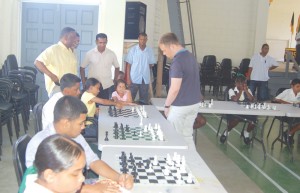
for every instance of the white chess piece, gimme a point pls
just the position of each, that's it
(132, 109)
(141, 122)
(140, 135)
(155, 161)
(166, 171)
(190, 178)
(247, 106)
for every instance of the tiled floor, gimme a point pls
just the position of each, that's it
(238, 167)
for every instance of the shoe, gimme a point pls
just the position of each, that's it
(247, 140)
(223, 138)
(287, 138)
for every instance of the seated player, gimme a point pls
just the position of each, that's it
(69, 118)
(291, 96)
(240, 93)
(59, 162)
(89, 98)
(122, 94)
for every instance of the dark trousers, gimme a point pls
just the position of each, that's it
(106, 93)
(143, 92)
(262, 89)
(298, 54)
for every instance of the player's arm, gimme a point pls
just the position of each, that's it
(173, 92)
(41, 67)
(106, 102)
(281, 101)
(106, 171)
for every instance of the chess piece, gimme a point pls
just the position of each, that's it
(155, 161)
(106, 136)
(190, 178)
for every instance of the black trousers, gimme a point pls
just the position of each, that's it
(298, 54)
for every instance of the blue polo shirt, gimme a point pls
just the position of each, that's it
(140, 61)
(185, 66)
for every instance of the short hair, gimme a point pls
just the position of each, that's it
(143, 34)
(120, 81)
(65, 31)
(240, 78)
(68, 107)
(57, 152)
(91, 82)
(77, 34)
(264, 45)
(295, 81)
(168, 39)
(68, 80)
(101, 35)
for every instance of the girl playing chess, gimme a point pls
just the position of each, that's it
(89, 98)
(122, 94)
(59, 161)
(240, 93)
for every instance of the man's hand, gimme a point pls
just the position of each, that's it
(126, 181)
(166, 111)
(55, 79)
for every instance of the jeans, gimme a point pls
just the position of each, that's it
(262, 89)
(182, 118)
(106, 93)
(143, 92)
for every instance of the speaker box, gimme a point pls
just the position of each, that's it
(135, 19)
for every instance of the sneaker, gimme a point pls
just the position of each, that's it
(247, 140)
(288, 138)
(223, 138)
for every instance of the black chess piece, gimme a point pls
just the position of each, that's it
(116, 125)
(139, 164)
(106, 136)
(122, 127)
(127, 128)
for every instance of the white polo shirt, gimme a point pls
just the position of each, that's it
(50, 130)
(231, 93)
(289, 96)
(100, 65)
(48, 109)
(260, 67)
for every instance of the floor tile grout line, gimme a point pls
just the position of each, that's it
(251, 163)
(270, 156)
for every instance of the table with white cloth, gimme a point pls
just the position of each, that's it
(234, 108)
(205, 180)
(106, 124)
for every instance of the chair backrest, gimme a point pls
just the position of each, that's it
(226, 68)
(244, 65)
(37, 113)
(19, 151)
(6, 87)
(12, 63)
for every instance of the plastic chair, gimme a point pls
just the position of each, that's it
(37, 113)
(225, 75)
(208, 73)
(19, 152)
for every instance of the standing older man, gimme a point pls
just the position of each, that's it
(182, 103)
(259, 67)
(100, 61)
(58, 60)
(140, 59)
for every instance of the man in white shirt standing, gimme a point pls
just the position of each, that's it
(100, 60)
(259, 67)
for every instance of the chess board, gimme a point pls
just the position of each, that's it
(114, 112)
(138, 167)
(121, 132)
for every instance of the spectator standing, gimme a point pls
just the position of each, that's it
(58, 60)
(139, 60)
(100, 60)
(259, 67)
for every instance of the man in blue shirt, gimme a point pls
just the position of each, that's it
(140, 59)
(182, 103)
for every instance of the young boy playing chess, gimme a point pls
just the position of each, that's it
(240, 93)
(291, 96)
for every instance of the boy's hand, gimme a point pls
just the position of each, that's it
(104, 186)
(126, 181)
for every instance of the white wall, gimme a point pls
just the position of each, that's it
(278, 28)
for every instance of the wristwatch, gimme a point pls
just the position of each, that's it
(167, 106)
